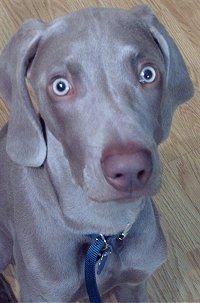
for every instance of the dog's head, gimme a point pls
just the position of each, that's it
(107, 83)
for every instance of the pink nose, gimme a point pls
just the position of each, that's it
(127, 171)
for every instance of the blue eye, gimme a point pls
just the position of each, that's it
(147, 75)
(61, 87)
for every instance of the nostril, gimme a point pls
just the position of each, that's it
(142, 176)
(118, 176)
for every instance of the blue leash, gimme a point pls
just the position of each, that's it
(99, 250)
(93, 255)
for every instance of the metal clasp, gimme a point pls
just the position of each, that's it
(123, 235)
(105, 242)
(106, 251)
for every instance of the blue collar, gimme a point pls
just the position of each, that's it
(99, 251)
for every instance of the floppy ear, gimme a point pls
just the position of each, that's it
(25, 140)
(178, 88)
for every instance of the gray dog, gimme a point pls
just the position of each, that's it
(107, 82)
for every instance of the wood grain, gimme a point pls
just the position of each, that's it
(179, 198)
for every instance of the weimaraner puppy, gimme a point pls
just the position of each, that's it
(85, 163)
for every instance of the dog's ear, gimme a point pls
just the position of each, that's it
(178, 88)
(25, 141)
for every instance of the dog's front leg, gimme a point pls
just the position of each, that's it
(128, 293)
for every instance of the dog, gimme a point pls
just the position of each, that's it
(85, 161)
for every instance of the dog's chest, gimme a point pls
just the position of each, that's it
(117, 270)
(52, 255)
(49, 252)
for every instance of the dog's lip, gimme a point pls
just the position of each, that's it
(129, 198)
(120, 200)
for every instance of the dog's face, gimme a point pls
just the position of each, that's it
(99, 85)
(107, 83)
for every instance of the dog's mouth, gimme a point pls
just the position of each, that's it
(132, 197)
(122, 174)
(99, 190)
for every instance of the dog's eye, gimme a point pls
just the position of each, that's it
(61, 87)
(147, 74)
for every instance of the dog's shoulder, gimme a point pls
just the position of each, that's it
(5, 165)
(7, 168)
(146, 236)
(3, 133)
(4, 159)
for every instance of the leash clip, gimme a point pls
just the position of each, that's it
(106, 245)
(106, 251)
(124, 234)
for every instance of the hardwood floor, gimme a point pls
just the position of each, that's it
(179, 198)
